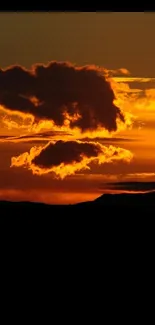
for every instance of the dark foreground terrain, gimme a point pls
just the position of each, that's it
(110, 211)
(105, 246)
(110, 229)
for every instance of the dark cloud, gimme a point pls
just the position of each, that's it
(6, 137)
(132, 186)
(22, 179)
(60, 87)
(64, 158)
(65, 152)
(37, 137)
(44, 136)
(108, 140)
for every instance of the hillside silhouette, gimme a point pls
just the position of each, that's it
(111, 224)
(104, 207)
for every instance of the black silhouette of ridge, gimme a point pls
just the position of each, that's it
(111, 223)
(105, 205)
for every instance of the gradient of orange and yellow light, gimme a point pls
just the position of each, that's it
(140, 132)
(113, 41)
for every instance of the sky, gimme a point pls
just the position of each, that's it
(77, 105)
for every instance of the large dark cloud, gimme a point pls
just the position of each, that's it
(60, 87)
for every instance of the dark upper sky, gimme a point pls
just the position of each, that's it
(113, 40)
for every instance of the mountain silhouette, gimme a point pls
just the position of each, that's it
(111, 224)
(106, 204)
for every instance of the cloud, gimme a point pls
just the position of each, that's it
(136, 97)
(119, 73)
(134, 79)
(61, 92)
(37, 137)
(139, 175)
(108, 140)
(132, 186)
(65, 158)
(5, 137)
(57, 135)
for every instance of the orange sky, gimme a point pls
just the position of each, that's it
(78, 168)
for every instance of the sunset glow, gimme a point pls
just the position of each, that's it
(72, 125)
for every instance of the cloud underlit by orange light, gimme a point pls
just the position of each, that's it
(92, 101)
(66, 158)
(63, 101)
(61, 92)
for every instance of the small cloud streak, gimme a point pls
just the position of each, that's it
(38, 137)
(66, 158)
(56, 135)
(132, 186)
(134, 79)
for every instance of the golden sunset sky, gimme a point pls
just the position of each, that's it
(77, 104)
